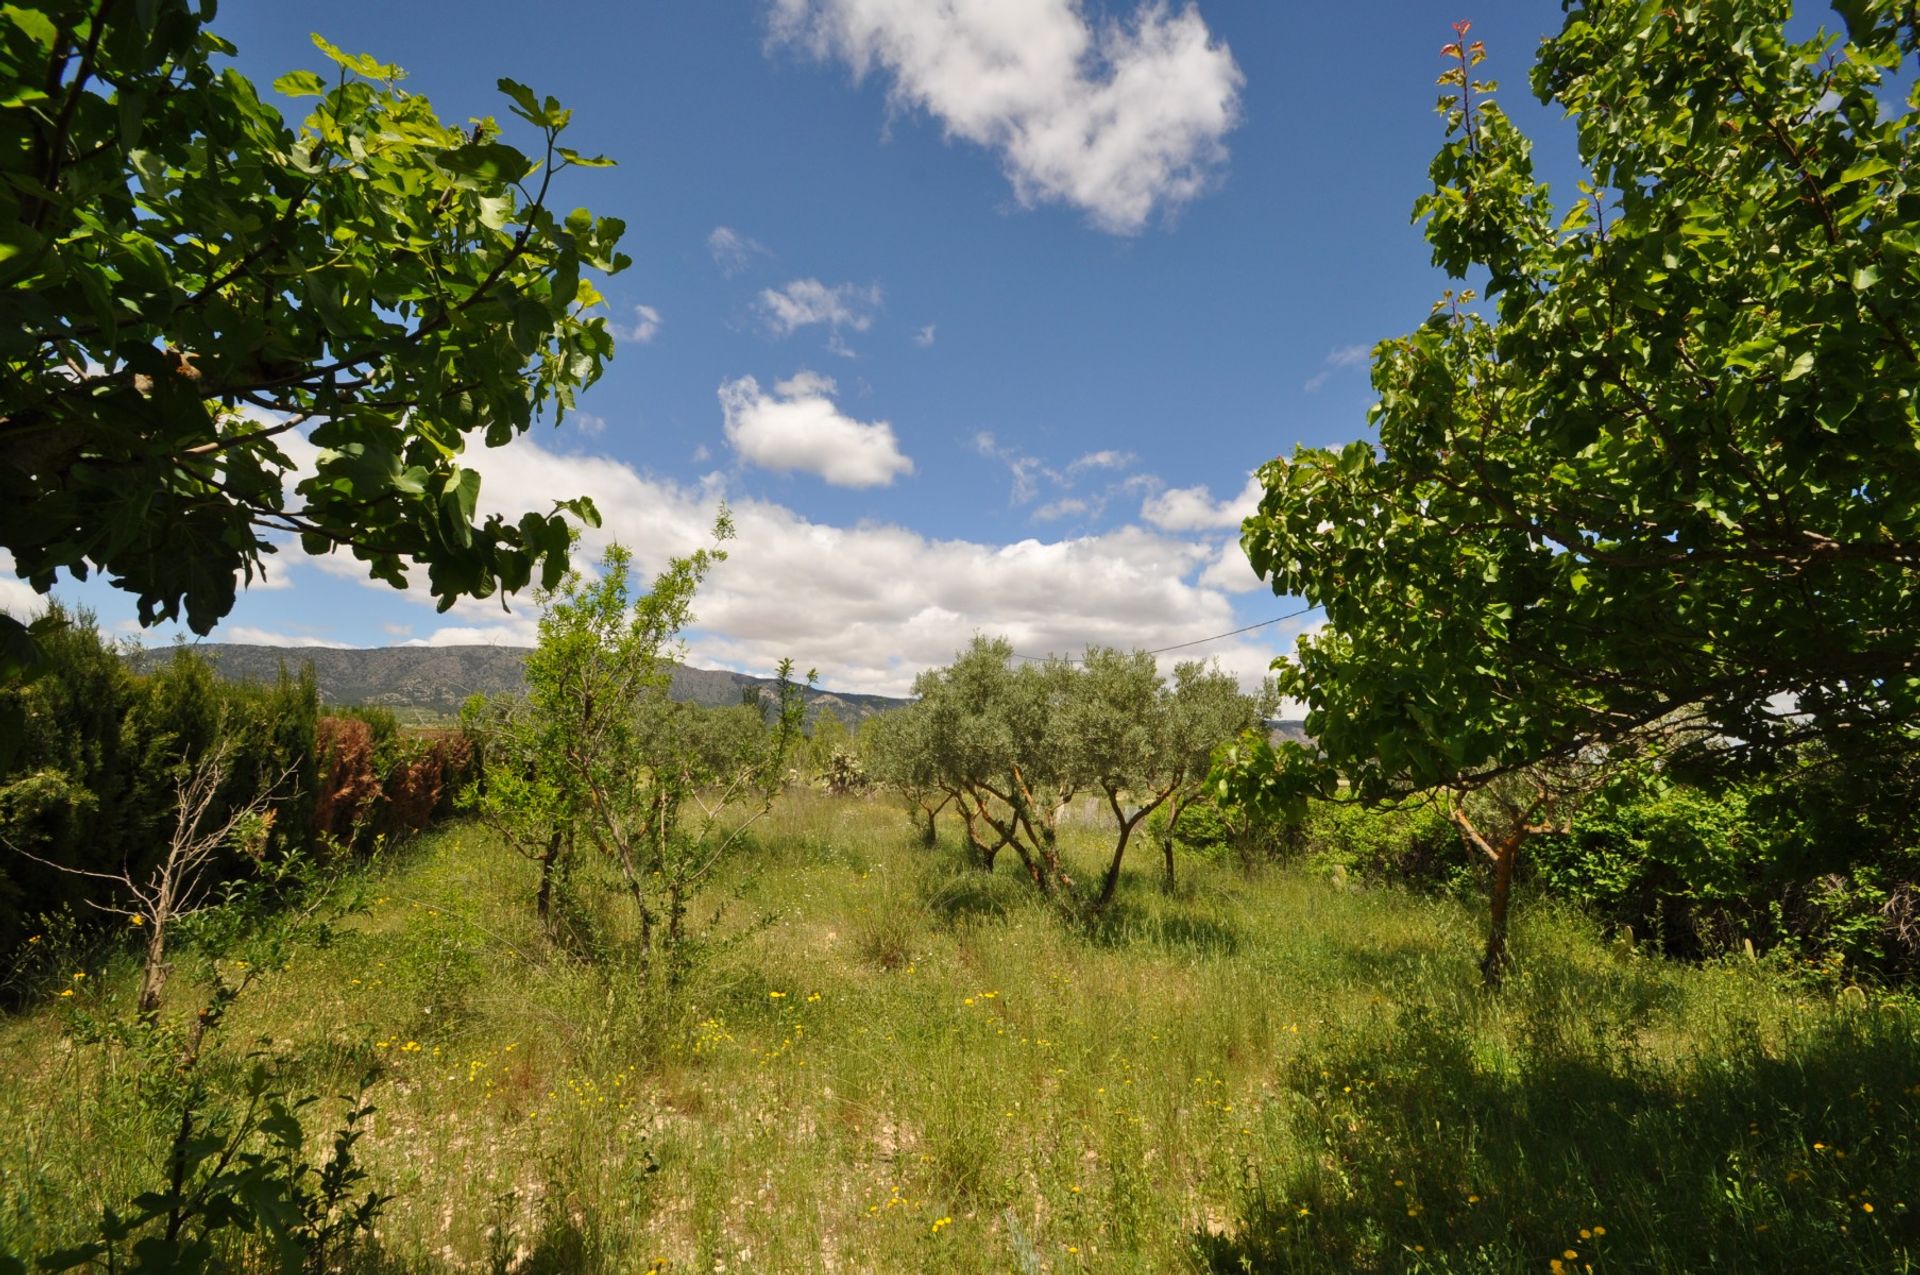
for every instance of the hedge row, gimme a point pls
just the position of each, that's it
(91, 755)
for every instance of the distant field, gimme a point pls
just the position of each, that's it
(887, 1062)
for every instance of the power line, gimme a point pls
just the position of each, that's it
(1181, 646)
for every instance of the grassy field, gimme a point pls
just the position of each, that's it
(886, 1062)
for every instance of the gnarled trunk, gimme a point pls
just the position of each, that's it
(1495, 963)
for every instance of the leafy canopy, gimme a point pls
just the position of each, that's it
(186, 281)
(1670, 464)
(1010, 744)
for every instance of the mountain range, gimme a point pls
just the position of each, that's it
(432, 682)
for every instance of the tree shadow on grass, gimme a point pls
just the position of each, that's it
(1432, 1148)
(1126, 924)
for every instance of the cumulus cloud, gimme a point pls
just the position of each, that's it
(1337, 358)
(1194, 508)
(798, 427)
(924, 337)
(869, 605)
(805, 302)
(1230, 571)
(732, 251)
(1119, 119)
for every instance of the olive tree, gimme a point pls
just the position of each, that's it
(902, 753)
(1012, 745)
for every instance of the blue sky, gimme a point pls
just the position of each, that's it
(979, 318)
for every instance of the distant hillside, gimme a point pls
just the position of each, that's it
(433, 681)
(1281, 731)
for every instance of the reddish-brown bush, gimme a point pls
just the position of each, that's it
(347, 786)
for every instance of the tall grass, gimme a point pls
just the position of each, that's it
(888, 1061)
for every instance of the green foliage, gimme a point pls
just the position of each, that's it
(1667, 467)
(1415, 844)
(1702, 872)
(88, 779)
(598, 752)
(237, 1166)
(1010, 745)
(185, 279)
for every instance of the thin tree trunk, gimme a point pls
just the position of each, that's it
(1496, 962)
(153, 976)
(1174, 809)
(543, 901)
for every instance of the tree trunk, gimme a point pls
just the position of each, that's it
(929, 836)
(543, 901)
(1495, 964)
(1174, 808)
(1112, 881)
(153, 976)
(676, 931)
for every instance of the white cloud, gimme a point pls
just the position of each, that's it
(274, 573)
(1104, 459)
(732, 251)
(521, 630)
(1231, 571)
(1027, 471)
(1030, 474)
(808, 301)
(924, 337)
(17, 598)
(798, 427)
(1117, 119)
(248, 635)
(868, 605)
(1339, 357)
(1054, 510)
(645, 326)
(1194, 508)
